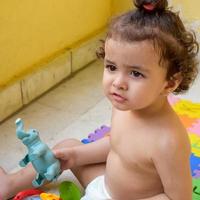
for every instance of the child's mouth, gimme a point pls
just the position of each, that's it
(118, 98)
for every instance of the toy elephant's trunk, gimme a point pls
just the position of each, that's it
(20, 129)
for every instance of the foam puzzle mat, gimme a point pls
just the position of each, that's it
(189, 113)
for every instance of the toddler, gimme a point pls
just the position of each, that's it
(148, 54)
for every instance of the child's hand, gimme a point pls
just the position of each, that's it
(66, 157)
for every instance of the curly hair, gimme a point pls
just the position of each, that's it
(152, 20)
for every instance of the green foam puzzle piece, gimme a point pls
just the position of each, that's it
(196, 189)
(69, 191)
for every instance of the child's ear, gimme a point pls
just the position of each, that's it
(172, 83)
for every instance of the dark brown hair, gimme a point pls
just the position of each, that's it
(177, 46)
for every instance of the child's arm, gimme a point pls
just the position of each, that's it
(95, 152)
(91, 153)
(172, 162)
(158, 197)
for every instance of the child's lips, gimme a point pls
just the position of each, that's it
(118, 98)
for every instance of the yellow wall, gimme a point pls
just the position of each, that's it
(189, 8)
(119, 6)
(34, 30)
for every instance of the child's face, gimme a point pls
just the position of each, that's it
(132, 77)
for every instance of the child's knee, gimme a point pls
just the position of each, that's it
(67, 143)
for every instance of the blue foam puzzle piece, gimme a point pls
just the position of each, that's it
(195, 165)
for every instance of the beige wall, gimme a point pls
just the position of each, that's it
(189, 8)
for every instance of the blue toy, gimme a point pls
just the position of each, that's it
(39, 154)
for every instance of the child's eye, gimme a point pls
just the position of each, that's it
(137, 74)
(111, 68)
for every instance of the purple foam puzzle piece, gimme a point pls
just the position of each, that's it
(98, 133)
(197, 173)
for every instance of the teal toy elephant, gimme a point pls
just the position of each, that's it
(39, 154)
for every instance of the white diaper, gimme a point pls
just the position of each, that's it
(96, 190)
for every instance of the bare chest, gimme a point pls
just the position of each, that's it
(132, 144)
(130, 160)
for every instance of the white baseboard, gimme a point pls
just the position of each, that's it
(31, 86)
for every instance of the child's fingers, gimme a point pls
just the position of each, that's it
(64, 155)
(60, 153)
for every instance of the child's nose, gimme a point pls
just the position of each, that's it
(120, 83)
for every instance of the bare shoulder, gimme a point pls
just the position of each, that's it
(171, 159)
(174, 139)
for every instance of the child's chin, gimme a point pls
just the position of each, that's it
(121, 107)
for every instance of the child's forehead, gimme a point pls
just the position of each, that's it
(144, 45)
(131, 52)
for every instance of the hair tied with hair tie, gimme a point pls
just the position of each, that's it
(149, 6)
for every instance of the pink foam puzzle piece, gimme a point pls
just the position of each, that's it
(173, 99)
(195, 128)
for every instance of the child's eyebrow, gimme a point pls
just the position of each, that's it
(108, 61)
(137, 67)
(140, 68)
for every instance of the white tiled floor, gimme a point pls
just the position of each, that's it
(73, 109)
